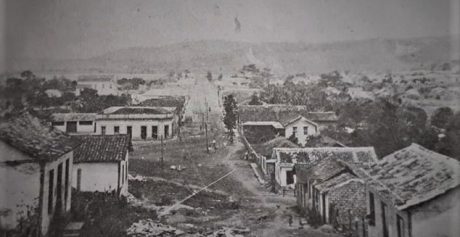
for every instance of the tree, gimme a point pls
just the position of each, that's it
(255, 100)
(209, 76)
(441, 117)
(230, 110)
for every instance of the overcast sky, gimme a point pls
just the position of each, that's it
(83, 28)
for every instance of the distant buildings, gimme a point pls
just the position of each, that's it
(101, 164)
(141, 123)
(36, 169)
(414, 192)
(75, 123)
(264, 122)
(104, 85)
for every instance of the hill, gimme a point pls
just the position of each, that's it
(228, 56)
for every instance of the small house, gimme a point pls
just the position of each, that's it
(75, 123)
(103, 84)
(35, 166)
(413, 192)
(101, 164)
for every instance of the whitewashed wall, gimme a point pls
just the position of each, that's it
(82, 129)
(136, 127)
(301, 136)
(101, 177)
(19, 185)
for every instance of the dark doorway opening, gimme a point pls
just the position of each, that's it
(154, 132)
(59, 190)
(166, 131)
(71, 127)
(144, 132)
(130, 131)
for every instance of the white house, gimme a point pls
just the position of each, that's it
(101, 164)
(75, 123)
(301, 128)
(105, 85)
(35, 167)
(142, 123)
(413, 192)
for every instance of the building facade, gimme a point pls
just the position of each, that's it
(75, 123)
(101, 164)
(104, 85)
(141, 123)
(39, 161)
(413, 192)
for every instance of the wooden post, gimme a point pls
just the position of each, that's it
(206, 132)
(162, 151)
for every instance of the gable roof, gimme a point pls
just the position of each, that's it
(35, 138)
(276, 125)
(102, 148)
(286, 123)
(413, 175)
(311, 155)
(281, 113)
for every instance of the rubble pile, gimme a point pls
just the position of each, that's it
(150, 228)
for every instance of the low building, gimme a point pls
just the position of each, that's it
(103, 84)
(35, 167)
(75, 123)
(141, 123)
(101, 164)
(286, 158)
(413, 192)
(264, 152)
(261, 123)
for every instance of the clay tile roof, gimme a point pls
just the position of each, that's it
(282, 113)
(311, 155)
(413, 175)
(338, 180)
(266, 148)
(139, 110)
(325, 169)
(35, 138)
(102, 148)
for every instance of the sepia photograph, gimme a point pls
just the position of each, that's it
(229, 118)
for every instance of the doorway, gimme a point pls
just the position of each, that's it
(71, 127)
(59, 190)
(166, 131)
(130, 131)
(144, 132)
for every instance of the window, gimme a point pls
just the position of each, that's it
(126, 171)
(371, 209)
(166, 131)
(305, 130)
(50, 191)
(154, 132)
(66, 184)
(400, 223)
(116, 129)
(294, 130)
(122, 175)
(384, 219)
(103, 130)
(57, 123)
(79, 179)
(87, 123)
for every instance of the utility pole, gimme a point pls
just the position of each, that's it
(162, 151)
(206, 132)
